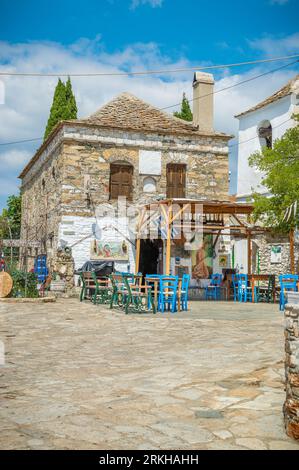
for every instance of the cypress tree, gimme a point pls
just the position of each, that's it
(185, 112)
(63, 106)
(71, 100)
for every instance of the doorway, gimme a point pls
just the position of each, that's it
(150, 251)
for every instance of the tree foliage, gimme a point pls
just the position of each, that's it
(10, 219)
(63, 107)
(185, 112)
(280, 166)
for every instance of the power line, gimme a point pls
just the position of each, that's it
(233, 86)
(147, 72)
(256, 136)
(190, 100)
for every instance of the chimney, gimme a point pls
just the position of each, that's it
(203, 98)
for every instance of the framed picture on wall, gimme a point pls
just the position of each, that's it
(223, 261)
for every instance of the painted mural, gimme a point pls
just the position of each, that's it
(202, 259)
(109, 251)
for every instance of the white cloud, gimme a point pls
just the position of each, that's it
(273, 46)
(14, 159)
(25, 112)
(152, 3)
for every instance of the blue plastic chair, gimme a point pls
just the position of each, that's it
(235, 283)
(168, 293)
(213, 290)
(288, 282)
(184, 291)
(245, 291)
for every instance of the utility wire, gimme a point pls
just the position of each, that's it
(256, 136)
(190, 100)
(233, 86)
(147, 72)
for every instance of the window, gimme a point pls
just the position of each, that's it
(43, 185)
(121, 178)
(265, 134)
(176, 180)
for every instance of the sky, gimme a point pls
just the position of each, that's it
(127, 35)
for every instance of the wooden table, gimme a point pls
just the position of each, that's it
(156, 280)
(261, 277)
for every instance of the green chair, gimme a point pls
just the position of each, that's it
(138, 298)
(87, 286)
(102, 291)
(118, 291)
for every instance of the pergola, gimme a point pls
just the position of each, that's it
(217, 217)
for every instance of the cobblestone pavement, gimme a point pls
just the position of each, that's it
(79, 376)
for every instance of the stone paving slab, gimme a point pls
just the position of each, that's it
(79, 376)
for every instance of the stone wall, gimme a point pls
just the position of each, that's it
(41, 202)
(71, 178)
(265, 243)
(291, 405)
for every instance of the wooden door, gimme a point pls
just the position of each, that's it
(121, 177)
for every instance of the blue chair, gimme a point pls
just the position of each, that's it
(184, 291)
(245, 291)
(213, 290)
(235, 283)
(168, 293)
(288, 282)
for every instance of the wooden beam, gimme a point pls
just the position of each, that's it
(137, 260)
(177, 214)
(249, 253)
(292, 255)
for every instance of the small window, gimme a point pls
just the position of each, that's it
(265, 134)
(43, 185)
(121, 180)
(176, 180)
(53, 173)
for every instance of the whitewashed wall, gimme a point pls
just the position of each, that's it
(79, 229)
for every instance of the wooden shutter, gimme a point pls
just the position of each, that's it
(121, 177)
(176, 180)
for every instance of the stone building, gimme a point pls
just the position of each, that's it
(126, 148)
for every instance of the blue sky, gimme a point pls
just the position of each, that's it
(117, 35)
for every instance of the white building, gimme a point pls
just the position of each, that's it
(259, 126)
(262, 125)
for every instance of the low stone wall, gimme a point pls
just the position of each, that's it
(291, 405)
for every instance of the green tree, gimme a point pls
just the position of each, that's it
(71, 100)
(10, 219)
(63, 107)
(280, 166)
(185, 112)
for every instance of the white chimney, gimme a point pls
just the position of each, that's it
(203, 98)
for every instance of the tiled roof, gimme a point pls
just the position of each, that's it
(126, 111)
(291, 86)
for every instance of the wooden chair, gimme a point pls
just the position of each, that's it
(87, 286)
(102, 291)
(138, 298)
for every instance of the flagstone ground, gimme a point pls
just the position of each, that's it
(79, 376)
